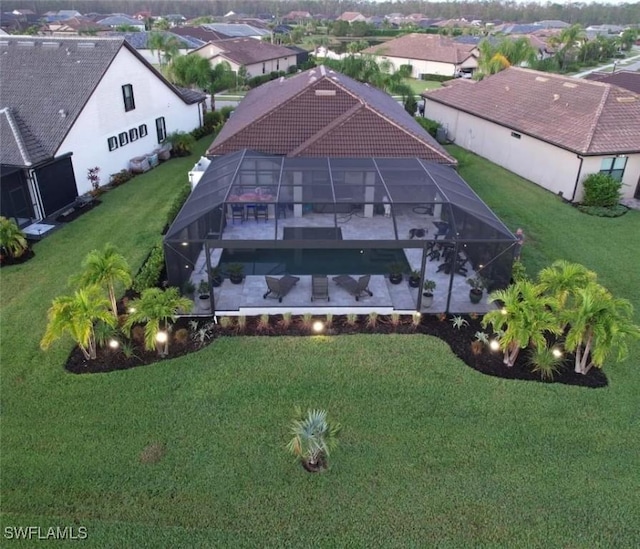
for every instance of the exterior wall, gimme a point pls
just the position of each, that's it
(212, 52)
(630, 178)
(546, 165)
(422, 66)
(104, 116)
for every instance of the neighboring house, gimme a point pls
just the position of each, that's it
(239, 30)
(297, 16)
(257, 57)
(74, 104)
(115, 21)
(553, 24)
(140, 41)
(428, 54)
(320, 112)
(73, 27)
(552, 130)
(352, 17)
(202, 33)
(628, 80)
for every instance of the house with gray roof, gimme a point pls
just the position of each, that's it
(71, 104)
(239, 30)
(120, 20)
(550, 129)
(321, 112)
(140, 41)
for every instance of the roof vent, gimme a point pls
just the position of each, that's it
(51, 45)
(325, 93)
(541, 79)
(26, 44)
(570, 85)
(62, 113)
(4, 42)
(626, 99)
(86, 45)
(556, 97)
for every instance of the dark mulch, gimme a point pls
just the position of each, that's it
(8, 260)
(77, 211)
(487, 362)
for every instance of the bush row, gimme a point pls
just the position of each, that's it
(430, 125)
(436, 77)
(178, 202)
(149, 274)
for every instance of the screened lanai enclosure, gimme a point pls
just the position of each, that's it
(325, 234)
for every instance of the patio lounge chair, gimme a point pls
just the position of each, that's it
(279, 287)
(357, 288)
(319, 287)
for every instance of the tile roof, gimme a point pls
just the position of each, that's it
(320, 112)
(47, 81)
(201, 34)
(585, 117)
(628, 80)
(237, 30)
(428, 47)
(246, 51)
(139, 40)
(19, 146)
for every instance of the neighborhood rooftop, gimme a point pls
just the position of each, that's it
(628, 80)
(247, 51)
(578, 115)
(324, 113)
(430, 47)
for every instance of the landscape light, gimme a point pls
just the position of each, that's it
(132, 309)
(318, 326)
(556, 352)
(162, 337)
(185, 243)
(114, 343)
(494, 345)
(503, 311)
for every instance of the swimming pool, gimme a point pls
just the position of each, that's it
(314, 261)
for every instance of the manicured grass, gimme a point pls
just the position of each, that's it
(432, 453)
(418, 86)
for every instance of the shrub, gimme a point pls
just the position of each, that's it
(430, 125)
(120, 177)
(435, 77)
(226, 112)
(181, 142)
(13, 241)
(613, 211)
(149, 274)
(601, 190)
(178, 202)
(182, 335)
(292, 69)
(213, 119)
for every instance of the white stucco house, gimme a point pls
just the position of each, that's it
(71, 104)
(552, 130)
(257, 57)
(428, 54)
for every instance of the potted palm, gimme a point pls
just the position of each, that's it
(216, 277)
(478, 284)
(313, 439)
(427, 293)
(235, 271)
(395, 273)
(188, 289)
(204, 296)
(414, 279)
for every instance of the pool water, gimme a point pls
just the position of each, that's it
(314, 261)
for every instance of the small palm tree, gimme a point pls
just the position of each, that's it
(313, 438)
(12, 240)
(526, 315)
(563, 278)
(598, 324)
(157, 309)
(77, 316)
(105, 268)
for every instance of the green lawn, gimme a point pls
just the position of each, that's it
(432, 453)
(418, 86)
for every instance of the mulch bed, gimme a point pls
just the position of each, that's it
(77, 211)
(9, 260)
(488, 363)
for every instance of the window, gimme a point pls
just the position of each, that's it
(142, 130)
(123, 138)
(127, 94)
(133, 134)
(113, 143)
(614, 167)
(264, 68)
(161, 129)
(516, 135)
(278, 64)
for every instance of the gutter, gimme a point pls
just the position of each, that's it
(575, 187)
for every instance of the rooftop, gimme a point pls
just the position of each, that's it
(429, 47)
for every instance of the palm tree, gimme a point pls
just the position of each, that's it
(567, 41)
(495, 58)
(190, 71)
(105, 268)
(13, 241)
(524, 318)
(599, 323)
(563, 278)
(313, 438)
(157, 309)
(77, 316)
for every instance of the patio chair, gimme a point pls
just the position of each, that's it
(319, 287)
(357, 288)
(279, 287)
(237, 212)
(261, 211)
(443, 229)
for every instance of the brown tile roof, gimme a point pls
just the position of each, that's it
(349, 16)
(320, 112)
(628, 80)
(246, 51)
(428, 47)
(578, 115)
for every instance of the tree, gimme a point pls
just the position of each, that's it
(161, 24)
(567, 42)
(313, 438)
(190, 71)
(166, 47)
(524, 318)
(598, 325)
(497, 57)
(627, 39)
(563, 278)
(77, 316)
(157, 310)
(105, 268)
(13, 241)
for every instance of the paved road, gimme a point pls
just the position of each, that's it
(628, 64)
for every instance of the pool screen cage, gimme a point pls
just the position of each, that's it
(328, 216)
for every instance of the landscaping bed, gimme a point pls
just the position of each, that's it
(190, 335)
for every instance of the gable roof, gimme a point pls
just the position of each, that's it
(46, 83)
(247, 51)
(237, 30)
(428, 47)
(139, 40)
(582, 116)
(320, 112)
(628, 80)
(19, 146)
(202, 34)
